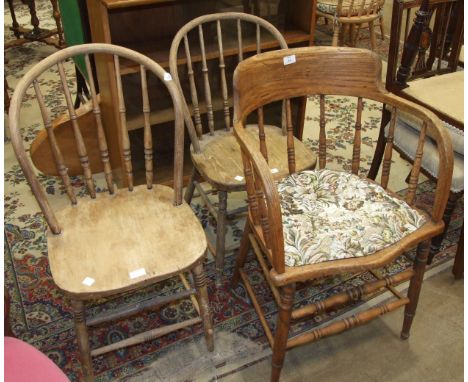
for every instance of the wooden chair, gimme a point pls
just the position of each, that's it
(427, 74)
(320, 223)
(215, 154)
(118, 240)
(348, 16)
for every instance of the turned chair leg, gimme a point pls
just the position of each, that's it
(282, 330)
(221, 236)
(382, 31)
(437, 241)
(336, 33)
(415, 287)
(191, 186)
(82, 339)
(204, 304)
(457, 269)
(372, 35)
(242, 255)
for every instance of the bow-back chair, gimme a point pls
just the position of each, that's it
(118, 240)
(320, 223)
(426, 73)
(216, 158)
(348, 16)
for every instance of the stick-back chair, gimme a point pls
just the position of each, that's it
(320, 223)
(216, 158)
(348, 16)
(118, 240)
(426, 73)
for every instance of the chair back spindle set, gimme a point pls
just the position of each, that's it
(276, 169)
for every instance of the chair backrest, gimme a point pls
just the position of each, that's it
(324, 71)
(425, 52)
(203, 39)
(116, 55)
(353, 8)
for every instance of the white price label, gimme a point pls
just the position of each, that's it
(88, 281)
(288, 60)
(167, 77)
(137, 273)
(274, 170)
(239, 178)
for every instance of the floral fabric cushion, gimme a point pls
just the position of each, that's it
(330, 215)
(330, 6)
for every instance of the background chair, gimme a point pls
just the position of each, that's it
(215, 154)
(347, 17)
(119, 240)
(320, 223)
(426, 73)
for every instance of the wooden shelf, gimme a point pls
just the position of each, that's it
(230, 47)
(115, 4)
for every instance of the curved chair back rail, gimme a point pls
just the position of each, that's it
(115, 53)
(324, 71)
(199, 26)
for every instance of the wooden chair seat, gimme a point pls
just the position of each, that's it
(443, 94)
(145, 231)
(329, 215)
(220, 160)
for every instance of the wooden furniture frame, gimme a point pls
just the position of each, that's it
(110, 244)
(349, 16)
(422, 56)
(119, 22)
(24, 35)
(323, 71)
(215, 155)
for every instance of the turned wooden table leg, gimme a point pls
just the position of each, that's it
(242, 255)
(282, 330)
(58, 22)
(221, 236)
(14, 25)
(82, 339)
(204, 304)
(415, 287)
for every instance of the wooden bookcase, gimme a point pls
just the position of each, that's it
(148, 26)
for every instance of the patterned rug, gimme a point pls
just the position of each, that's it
(41, 316)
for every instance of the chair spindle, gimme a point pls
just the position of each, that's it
(57, 154)
(147, 139)
(239, 40)
(414, 176)
(261, 133)
(357, 139)
(222, 68)
(193, 89)
(123, 125)
(263, 212)
(249, 185)
(387, 162)
(81, 148)
(290, 139)
(209, 105)
(322, 134)
(100, 130)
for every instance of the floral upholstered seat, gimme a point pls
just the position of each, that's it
(330, 215)
(330, 6)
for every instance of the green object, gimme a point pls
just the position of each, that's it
(73, 29)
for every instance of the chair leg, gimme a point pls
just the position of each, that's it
(415, 287)
(282, 330)
(380, 146)
(221, 236)
(242, 255)
(372, 35)
(336, 33)
(82, 339)
(204, 304)
(382, 31)
(191, 186)
(457, 269)
(356, 34)
(437, 241)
